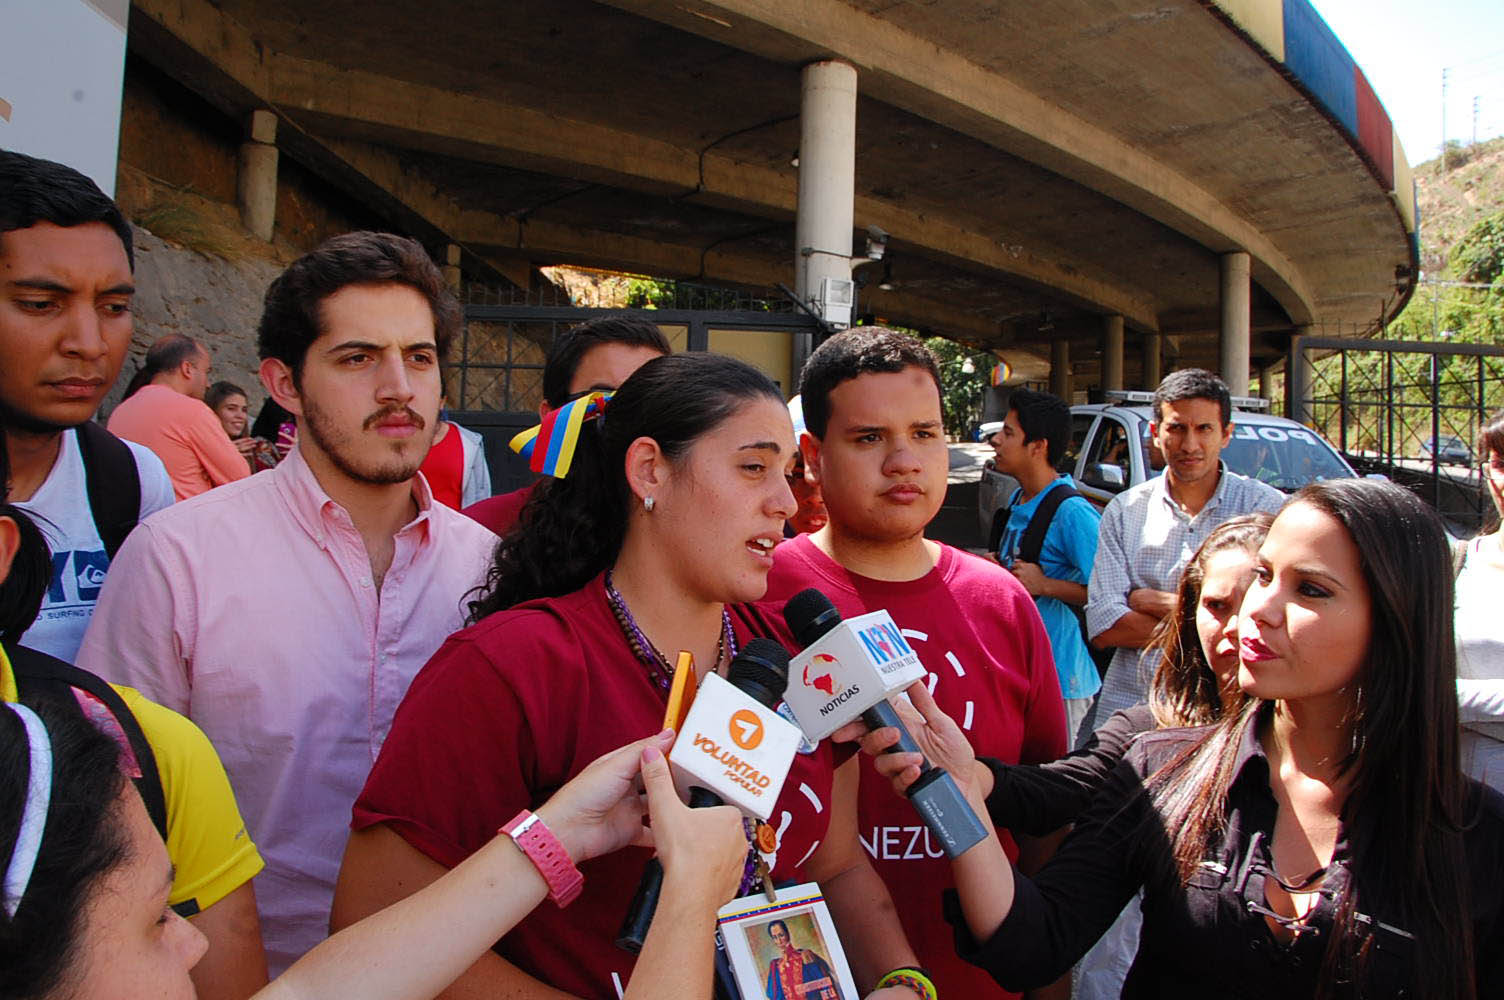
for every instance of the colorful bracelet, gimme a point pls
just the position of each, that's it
(914, 978)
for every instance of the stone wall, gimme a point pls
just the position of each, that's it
(215, 299)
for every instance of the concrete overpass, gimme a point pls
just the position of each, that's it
(1095, 182)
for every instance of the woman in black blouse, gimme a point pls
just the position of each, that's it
(1195, 683)
(1321, 841)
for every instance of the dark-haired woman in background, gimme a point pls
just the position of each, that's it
(229, 403)
(276, 425)
(662, 523)
(1480, 635)
(1321, 841)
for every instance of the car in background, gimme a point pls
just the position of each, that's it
(1447, 449)
(1110, 450)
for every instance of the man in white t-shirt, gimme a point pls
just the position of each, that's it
(65, 323)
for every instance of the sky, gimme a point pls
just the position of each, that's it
(1402, 47)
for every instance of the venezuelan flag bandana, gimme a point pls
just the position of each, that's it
(549, 447)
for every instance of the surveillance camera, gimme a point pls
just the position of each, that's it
(877, 233)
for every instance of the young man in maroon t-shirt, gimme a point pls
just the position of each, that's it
(874, 444)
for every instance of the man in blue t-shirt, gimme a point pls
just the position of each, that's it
(1032, 440)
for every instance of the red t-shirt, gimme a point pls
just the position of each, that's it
(499, 513)
(503, 714)
(979, 634)
(444, 468)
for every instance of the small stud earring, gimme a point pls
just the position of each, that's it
(647, 504)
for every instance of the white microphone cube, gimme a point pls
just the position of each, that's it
(851, 668)
(733, 746)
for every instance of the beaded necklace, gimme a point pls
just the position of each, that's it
(659, 672)
(661, 675)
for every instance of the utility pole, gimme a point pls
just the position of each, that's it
(1444, 119)
(1475, 119)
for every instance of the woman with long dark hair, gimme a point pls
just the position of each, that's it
(658, 526)
(1321, 841)
(228, 401)
(1195, 684)
(1480, 637)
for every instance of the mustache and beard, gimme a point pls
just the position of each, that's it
(368, 464)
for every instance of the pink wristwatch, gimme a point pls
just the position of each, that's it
(533, 837)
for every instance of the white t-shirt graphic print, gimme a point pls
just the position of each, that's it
(60, 508)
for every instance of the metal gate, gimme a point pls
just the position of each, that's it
(495, 382)
(1410, 410)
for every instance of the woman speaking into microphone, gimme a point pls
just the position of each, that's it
(1320, 840)
(664, 505)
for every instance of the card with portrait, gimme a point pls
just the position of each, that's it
(786, 949)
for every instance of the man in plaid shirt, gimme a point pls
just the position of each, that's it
(1150, 531)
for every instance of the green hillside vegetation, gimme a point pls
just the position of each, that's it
(1460, 299)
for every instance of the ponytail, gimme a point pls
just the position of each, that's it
(572, 528)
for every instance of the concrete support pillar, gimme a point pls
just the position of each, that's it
(1299, 375)
(451, 268)
(258, 174)
(1236, 339)
(1112, 352)
(1266, 382)
(1060, 369)
(1154, 363)
(827, 176)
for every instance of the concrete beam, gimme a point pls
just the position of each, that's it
(451, 267)
(1060, 369)
(1112, 352)
(912, 73)
(1154, 365)
(1235, 339)
(1300, 371)
(323, 99)
(827, 177)
(256, 185)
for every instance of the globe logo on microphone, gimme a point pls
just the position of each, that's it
(821, 681)
(746, 729)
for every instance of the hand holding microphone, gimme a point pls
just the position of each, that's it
(941, 743)
(846, 671)
(700, 850)
(733, 749)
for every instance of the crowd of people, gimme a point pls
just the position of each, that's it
(299, 708)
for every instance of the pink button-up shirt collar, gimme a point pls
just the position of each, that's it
(252, 610)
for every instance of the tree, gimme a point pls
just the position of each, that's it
(1479, 255)
(960, 389)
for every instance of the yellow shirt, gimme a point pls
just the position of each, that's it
(206, 838)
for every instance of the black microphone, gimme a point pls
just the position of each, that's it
(761, 672)
(810, 615)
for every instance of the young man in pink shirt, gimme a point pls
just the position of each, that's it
(875, 445)
(287, 613)
(164, 409)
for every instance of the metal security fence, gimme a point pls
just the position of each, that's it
(1410, 410)
(494, 381)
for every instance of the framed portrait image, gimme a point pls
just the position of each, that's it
(787, 949)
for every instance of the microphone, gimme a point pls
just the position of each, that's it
(846, 671)
(732, 749)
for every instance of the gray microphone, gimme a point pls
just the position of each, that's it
(811, 616)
